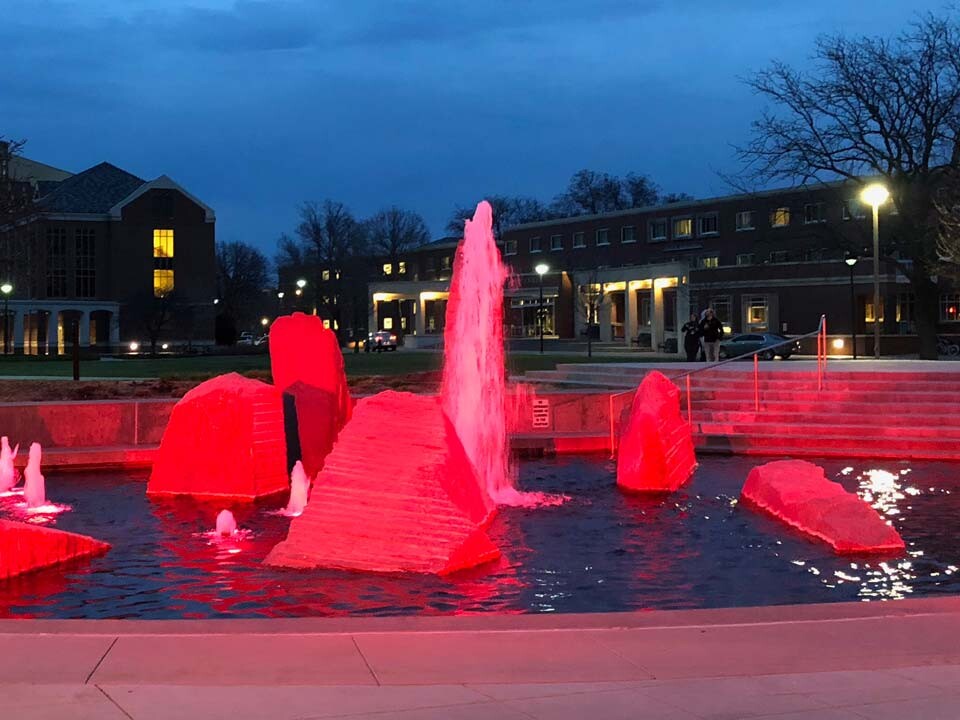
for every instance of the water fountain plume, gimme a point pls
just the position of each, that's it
(34, 491)
(226, 524)
(8, 473)
(299, 491)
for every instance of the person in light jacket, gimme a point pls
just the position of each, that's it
(711, 330)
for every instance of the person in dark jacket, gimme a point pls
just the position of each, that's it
(711, 330)
(691, 337)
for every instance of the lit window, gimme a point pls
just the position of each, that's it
(708, 224)
(579, 240)
(683, 227)
(388, 268)
(628, 234)
(326, 323)
(163, 243)
(745, 220)
(325, 275)
(510, 247)
(445, 262)
(868, 311)
(162, 282)
(603, 237)
(535, 245)
(402, 267)
(745, 259)
(658, 230)
(387, 323)
(814, 213)
(950, 307)
(757, 309)
(556, 242)
(780, 217)
(711, 261)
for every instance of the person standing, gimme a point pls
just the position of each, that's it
(691, 337)
(711, 330)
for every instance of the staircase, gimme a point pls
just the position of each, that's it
(903, 414)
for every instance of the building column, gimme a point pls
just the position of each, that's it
(115, 330)
(683, 311)
(374, 312)
(605, 318)
(84, 333)
(631, 315)
(53, 336)
(656, 317)
(16, 336)
(420, 316)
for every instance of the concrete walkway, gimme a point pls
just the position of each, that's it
(829, 662)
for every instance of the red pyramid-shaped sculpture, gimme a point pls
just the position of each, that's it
(396, 494)
(225, 439)
(656, 448)
(799, 494)
(25, 548)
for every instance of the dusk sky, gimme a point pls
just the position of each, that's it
(257, 106)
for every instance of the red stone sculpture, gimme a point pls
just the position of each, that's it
(656, 448)
(396, 494)
(225, 439)
(317, 412)
(799, 493)
(25, 548)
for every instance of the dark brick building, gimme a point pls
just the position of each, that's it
(124, 258)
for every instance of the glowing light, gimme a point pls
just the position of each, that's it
(664, 282)
(264, 321)
(875, 194)
(299, 292)
(429, 295)
(838, 344)
(301, 283)
(134, 346)
(280, 295)
(6, 288)
(542, 269)
(165, 346)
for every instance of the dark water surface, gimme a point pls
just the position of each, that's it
(601, 551)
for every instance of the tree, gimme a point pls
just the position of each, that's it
(154, 314)
(589, 299)
(591, 193)
(241, 278)
(670, 198)
(508, 212)
(393, 231)
(873, 108)
(640, 190)
(17, 261)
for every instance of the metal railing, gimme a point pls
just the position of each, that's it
(820, 333)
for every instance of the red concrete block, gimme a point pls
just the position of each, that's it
(396, 494)
(225, 439)
(302, 350)
(317, 424)
(25, 548)
(656, 448)
(799, 493)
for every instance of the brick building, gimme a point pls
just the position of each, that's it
(121, 257)
(767, 261)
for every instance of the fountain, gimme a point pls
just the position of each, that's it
(299, 491)
(226, 524)
(8, 473)
(34, 491)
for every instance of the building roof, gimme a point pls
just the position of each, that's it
(94, 191)
(22, 168)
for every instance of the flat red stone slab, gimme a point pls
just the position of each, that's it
(656, 448)
(396, 494)
(25, 548)
(798, 493)
(225, 439)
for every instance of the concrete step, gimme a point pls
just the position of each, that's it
(823, 396)
(815, 428)
(738, 446)
(815, 407)
(870, 444)
(703, 413)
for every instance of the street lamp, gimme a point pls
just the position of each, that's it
(876, 195)
(6, 289)
(851, 261)
(541, 269)
(264, 321)
(301, 283)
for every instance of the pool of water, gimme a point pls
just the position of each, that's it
(602, 550)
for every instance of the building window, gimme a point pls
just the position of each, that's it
(721, 308)
(814, 213)
(628, 234)
(603, 236)
(162, 282)
(579, 240)
(950, 307)
(431, 262)
(708, 224)
(402, 267)
(745, 220)
(868, 311)
(325, 275)
(534, 244)
(779, 256)
(658, 230)
(445, 262)
(683, 227)
(388, 268)
(510, 247)
(780, 217)
(710, 261)
(56, 262)
(86, 262)
(745, 259)
(757, 314)
(556, 242)
(905, 312)
(162, 243)
(387, 323)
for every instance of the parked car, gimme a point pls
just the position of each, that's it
(245, 340)
(262, 340)
(382, 340)
(751, 342)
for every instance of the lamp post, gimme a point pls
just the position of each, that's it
(876, 195)
(301, 284)
(541, 269)
(6, 289)
(280, 295)
(851, 261)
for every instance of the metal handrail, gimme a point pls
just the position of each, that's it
(820, 333)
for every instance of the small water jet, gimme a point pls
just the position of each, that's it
(226, 524)
(8, 473)
(34, 490)
(299, 491)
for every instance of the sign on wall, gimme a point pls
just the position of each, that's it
(541, 413)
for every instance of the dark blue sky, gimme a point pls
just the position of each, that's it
(256, 106)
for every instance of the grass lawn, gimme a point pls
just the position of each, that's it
(200, 367)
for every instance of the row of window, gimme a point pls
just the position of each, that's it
(85, 266)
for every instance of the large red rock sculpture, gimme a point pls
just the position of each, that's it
(396, 494)
(799, 493)
(317, 428)
(225, 439)
(25, 548)
(656, 448)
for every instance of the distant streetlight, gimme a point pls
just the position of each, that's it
(542, 270)
(299, 292)
(6, 289)
(876, 195)
(264, 321)
(851, 261)
(216, 301)
(301, 283)
(280, 295)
